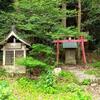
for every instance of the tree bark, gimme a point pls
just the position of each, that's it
(64, 19)
(79, 30)
(79, 15)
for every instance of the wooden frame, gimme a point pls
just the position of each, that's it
(81, 40)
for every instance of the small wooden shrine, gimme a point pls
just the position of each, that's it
(70, 46)
(70, 51)
(12, 48)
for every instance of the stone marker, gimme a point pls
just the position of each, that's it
(56, 71)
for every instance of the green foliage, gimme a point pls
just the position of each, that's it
(49, 79)
(33, 18)
(41, 18)
(42, 49)
(38, 17)
(91, 14)
(97, 51)
(71, 91)
(73, 88)
(91, 72)
(86, 82)
(95, 72)
(43, 53)
(5, 91)
(68, 77)
(29, 62)
(33, 66)
(25, 82)
(69, 31)
(78, 92)
(96, 64)
(47, 83)
(3, 72)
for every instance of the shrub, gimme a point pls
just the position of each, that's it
(33, 65)
(47, 82)
(5, 91)
(43, 52)
(96, 65)
(31, 62)
(3, 72)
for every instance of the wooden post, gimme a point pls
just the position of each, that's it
(24, 53)
(14, 61)
(57, 55)
(4, 56)
(83, 49)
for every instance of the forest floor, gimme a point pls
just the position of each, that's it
(68, 84)
(94, 87)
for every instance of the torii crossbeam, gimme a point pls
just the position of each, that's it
(81, 40)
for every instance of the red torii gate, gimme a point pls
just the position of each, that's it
(81, 40)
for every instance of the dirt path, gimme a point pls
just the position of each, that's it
(79, 73)
(94, 88)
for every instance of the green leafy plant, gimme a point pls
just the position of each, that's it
(86, 82)
(69, 31)
(43, 52)
(3, 72)
(25, 82)
(5, 91)
(78, 93)
(32, 64)
(68, 77)
(46, 86)
(47, 83)
(96, 64)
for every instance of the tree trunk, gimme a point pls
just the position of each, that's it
(79, 16)
(64, 19)
(79, 30)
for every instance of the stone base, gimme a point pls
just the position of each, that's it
(70, 56)
(14, 69)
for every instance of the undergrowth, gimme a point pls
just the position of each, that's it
(49, 86)
(96, 64)
(95, 69)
